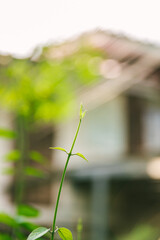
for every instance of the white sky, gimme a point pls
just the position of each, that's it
(24, 24)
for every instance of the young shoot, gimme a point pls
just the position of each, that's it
(64, 233)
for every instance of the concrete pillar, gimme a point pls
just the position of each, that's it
(100, 209)
(6, 145)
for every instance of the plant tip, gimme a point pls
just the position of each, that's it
(82, 111)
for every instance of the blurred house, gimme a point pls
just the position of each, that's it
(119, 187)
(120, 136)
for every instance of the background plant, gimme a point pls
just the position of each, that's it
(141, 232)
(19, 224)
(37, 93)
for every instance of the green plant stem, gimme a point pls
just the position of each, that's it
(22, 144)
(62, 179)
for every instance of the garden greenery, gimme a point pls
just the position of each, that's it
(29, 89)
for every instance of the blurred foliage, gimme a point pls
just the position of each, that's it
(24, 210)
(79, 229)
(40, 90)
(6, 133)
(13, 156)
(4, 236)
(18, 226)
(45, 89)
(142, 232)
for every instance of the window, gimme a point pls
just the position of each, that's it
(143, 126)
(135, 124)
(151, 134)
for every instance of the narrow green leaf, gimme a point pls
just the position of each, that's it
(37, 233)
(6, 219)
(27, 211)
(65, 233)
(80, 155)
(30, 171)
(6, 133)
(13, 156)
(59, 148)
(37, 157)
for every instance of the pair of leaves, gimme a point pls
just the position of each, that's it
(64, 233)
(15, 155)
(32, 171)
(12, 156)
(64, 150)
(29, 171)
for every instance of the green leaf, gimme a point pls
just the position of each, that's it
(37, 157)
(65, 233)
(80, 155)
(6, 219)
(6, 133)
(9, 171)
(59, 148)
(4, 236)
(37, 233)
(82, 112)
(13, 156)
(27, 211)
(30, 171)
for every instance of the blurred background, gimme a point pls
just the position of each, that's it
(53, 56)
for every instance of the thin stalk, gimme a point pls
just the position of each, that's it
(62, 179)
(79, 229)
(20, 179)
(22, 144)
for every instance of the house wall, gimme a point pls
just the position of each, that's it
(102, 138)
(6, 145)
(151, 129)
